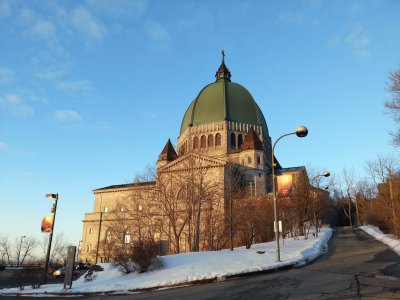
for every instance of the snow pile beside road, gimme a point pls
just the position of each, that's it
(387, 239)
(188, 268)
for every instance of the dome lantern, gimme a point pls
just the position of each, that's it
(223, 72)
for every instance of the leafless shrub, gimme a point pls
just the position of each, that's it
(139, 257)
(32, 277)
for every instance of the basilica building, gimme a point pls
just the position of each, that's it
(223, 144)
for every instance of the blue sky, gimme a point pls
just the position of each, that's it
(90, 91)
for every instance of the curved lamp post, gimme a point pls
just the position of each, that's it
(301, 131)
(325, 174)
(54, 197)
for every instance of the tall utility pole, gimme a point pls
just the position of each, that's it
(301, 131)
(54, 210)
(391, 193)
(98, 236)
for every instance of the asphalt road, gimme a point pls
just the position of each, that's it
(355, 267)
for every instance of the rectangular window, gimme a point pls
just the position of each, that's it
(106, 209)
(258, 160)
(127, 238)
(90, 230)
(248, 159)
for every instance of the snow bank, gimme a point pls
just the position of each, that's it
(387, 239)
(181, 269)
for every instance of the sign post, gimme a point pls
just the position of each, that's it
(69, 272)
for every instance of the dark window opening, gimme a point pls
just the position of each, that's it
(218, 139)
(210, 140)
(203, 141)
(240, 140)
(233, 139)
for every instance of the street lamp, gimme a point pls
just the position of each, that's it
(325, 174)
(77, 252)
(53, 210)
(301, 131)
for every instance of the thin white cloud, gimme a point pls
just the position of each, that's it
(74, 86)
(103, 127)
(3, 146)
(28, 174)
(87, 24)
(54, 71)
(354, 8)
(359, 41)
(119, 9)
(291, 17)
(67, 116)
(315, 3)
(5, 9)
(157, 32)
(26, 16)
(42, 29)
(356, 40)
(14, 105)
(6, 76)
(149, 114)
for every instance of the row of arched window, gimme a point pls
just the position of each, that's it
(239, 141)
(207, 141)
(203, 142)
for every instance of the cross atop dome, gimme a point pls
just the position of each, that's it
(223, 72)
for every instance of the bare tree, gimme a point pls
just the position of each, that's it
(384, 173)
(264, 231)
(393, 106)
(23, 248)
(186, 194)
(5, 250)
(350, 190)
(234, 190)
(245, 212)
(296, 208)
(58, 245)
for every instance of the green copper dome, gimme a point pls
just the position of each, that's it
(224, 100)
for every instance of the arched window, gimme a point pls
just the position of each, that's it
(203, 141)
(195, 142)
(233, 140)
(127, 237)
(240, 140)
(218, 139)
(210, 141)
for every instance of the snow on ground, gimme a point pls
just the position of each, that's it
(184, 268)
(388, 239)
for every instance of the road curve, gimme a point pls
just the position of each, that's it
(356, 266)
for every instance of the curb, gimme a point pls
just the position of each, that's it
(194, 282)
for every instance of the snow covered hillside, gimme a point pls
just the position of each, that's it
(185, 268)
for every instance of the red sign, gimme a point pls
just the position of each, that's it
(47, 223)
(284, 185)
